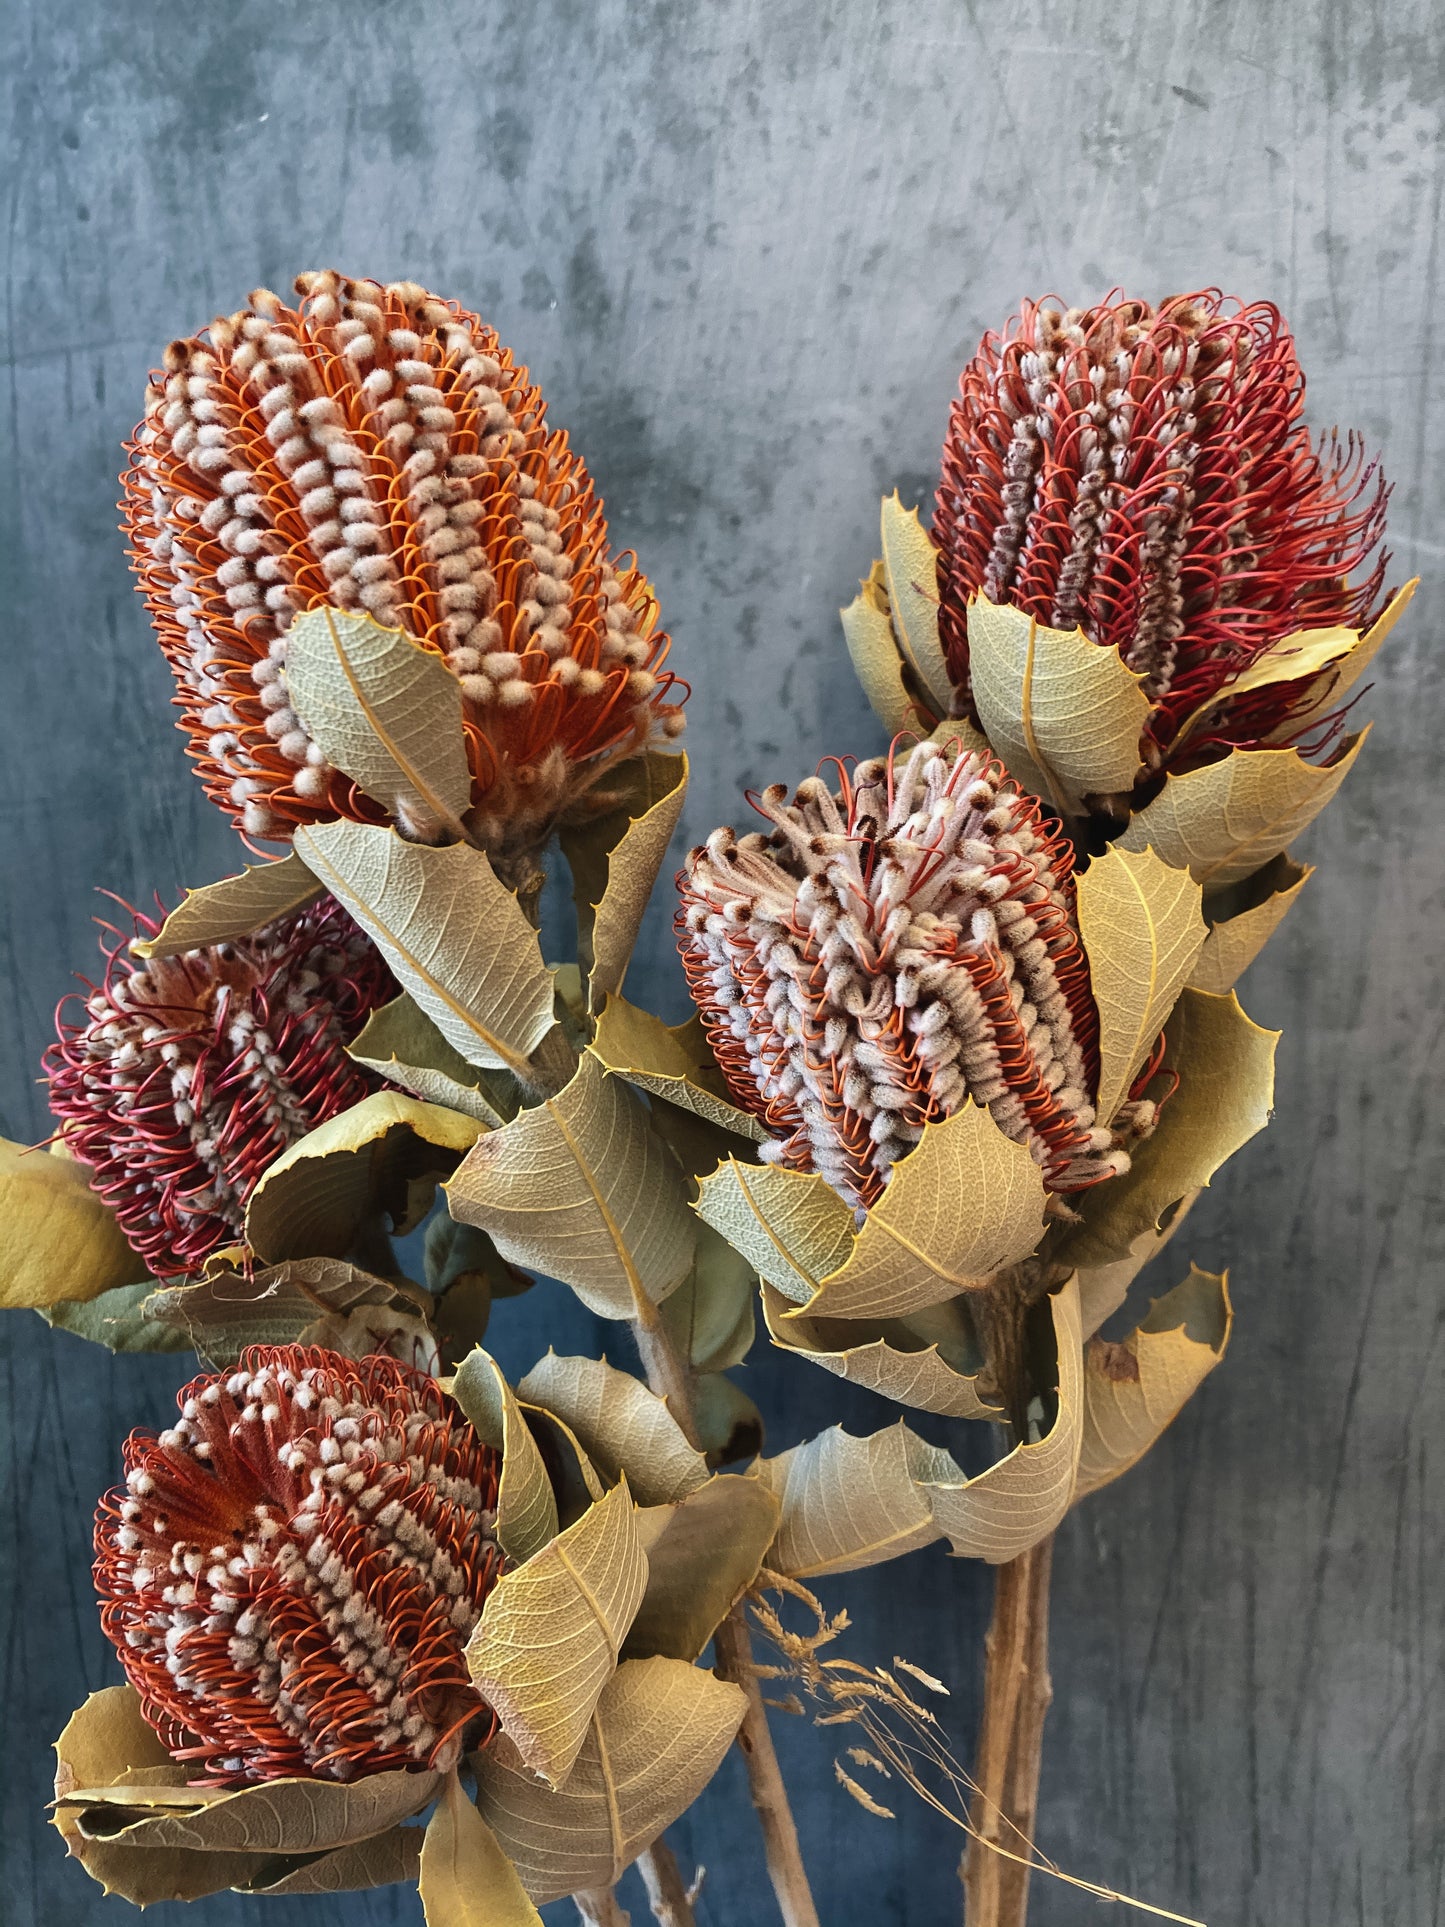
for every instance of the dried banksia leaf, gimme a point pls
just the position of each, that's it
(377, 450)
(188, 1075)
(290, 1574)
(884, 954)
(1145, 474)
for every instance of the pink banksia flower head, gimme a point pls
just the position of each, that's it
(181, 1079)
(290, 1574)
(1145, 473)
(377, 449)
(888, 950)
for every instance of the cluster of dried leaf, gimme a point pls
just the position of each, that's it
(574, 1135)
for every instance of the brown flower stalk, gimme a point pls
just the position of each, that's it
(291, 1572)
(886, 953)
(377, 449)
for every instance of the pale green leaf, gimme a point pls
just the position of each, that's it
(59, 1241)
(582, 1189)
(964, 1201)
(622, 1426)
(903, 1359)
(1065, 714)
(1227, 819)
(659, 1733)
(386, 711)
(1225, 1066)
(1142, 929)
(551, 1630)
(668, 1062)
(235, 907)
(402, 1044)
(710, 1315)
(615, 858)
(1134, 1389)
(873, 647)
(703, 1552)
(120, 1319)
(726, 1421)
(910, 563)
(526, 1506)
(466, 1880)
(791, 1226)
(1243, 919)
(454, 935)
(384, 1155)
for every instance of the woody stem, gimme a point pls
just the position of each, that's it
(667, 1894)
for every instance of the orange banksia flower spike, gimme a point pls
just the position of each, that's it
(886, 952)
(290, 1574)
(378, 450)
(1145, 474)
(186, 1076)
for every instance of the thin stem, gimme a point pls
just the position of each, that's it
(1016, 1698)
(669, 1899)
(668, 1374)
(600, 1907)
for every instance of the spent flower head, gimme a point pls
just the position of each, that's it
(291, 1572)
(890, 950)
(377, 449)
(184, 1077)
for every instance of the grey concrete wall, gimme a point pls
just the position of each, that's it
(746, 248)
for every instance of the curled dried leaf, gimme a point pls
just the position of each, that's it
(235, 907)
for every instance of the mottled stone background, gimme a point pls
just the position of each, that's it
(746, 248)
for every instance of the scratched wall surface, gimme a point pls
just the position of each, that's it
(746, 248)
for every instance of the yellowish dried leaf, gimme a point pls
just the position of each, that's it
(1103, 1288)
(1226, 820)
(1225, 1065)
(1142, 928)
(964, 1201)
(453, 934)
(387, 712)
(622, 1427)
(1134, 1389)
(552, 1629)
(385, 1860)
(791, 1226)
(615, 859)
(1292, 659)
(402, 1044)
(384, 1155)
(897, 1357)
(60, 1242)
(710, 1315)
(1333, 687)
(466, 1879)
(1065, 714)
(1243, 920)
(289, 1304)
(659, 1733)
(674, 1063)
(235, 907)
(703, 1552)
(851, 1502)
(526, 1505)
(582, 1189)
(910, 563)
(873, 647)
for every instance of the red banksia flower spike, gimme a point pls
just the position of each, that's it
(290, 1574)
(186, 1076)
(378, 450)
(1145, 474)
(887, 952)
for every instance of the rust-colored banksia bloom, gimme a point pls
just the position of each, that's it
(1144, 473)
(186, 1076)
(377, 449)
(884, 954)
(290, 1574)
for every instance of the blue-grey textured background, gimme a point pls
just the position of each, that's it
(746, 246)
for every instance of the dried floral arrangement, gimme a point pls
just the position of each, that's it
(967, 1048)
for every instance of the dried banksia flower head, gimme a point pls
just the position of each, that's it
(291, 1572)
(1145, 474)
(186, 1076)
(884, 953)
(377, 449)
